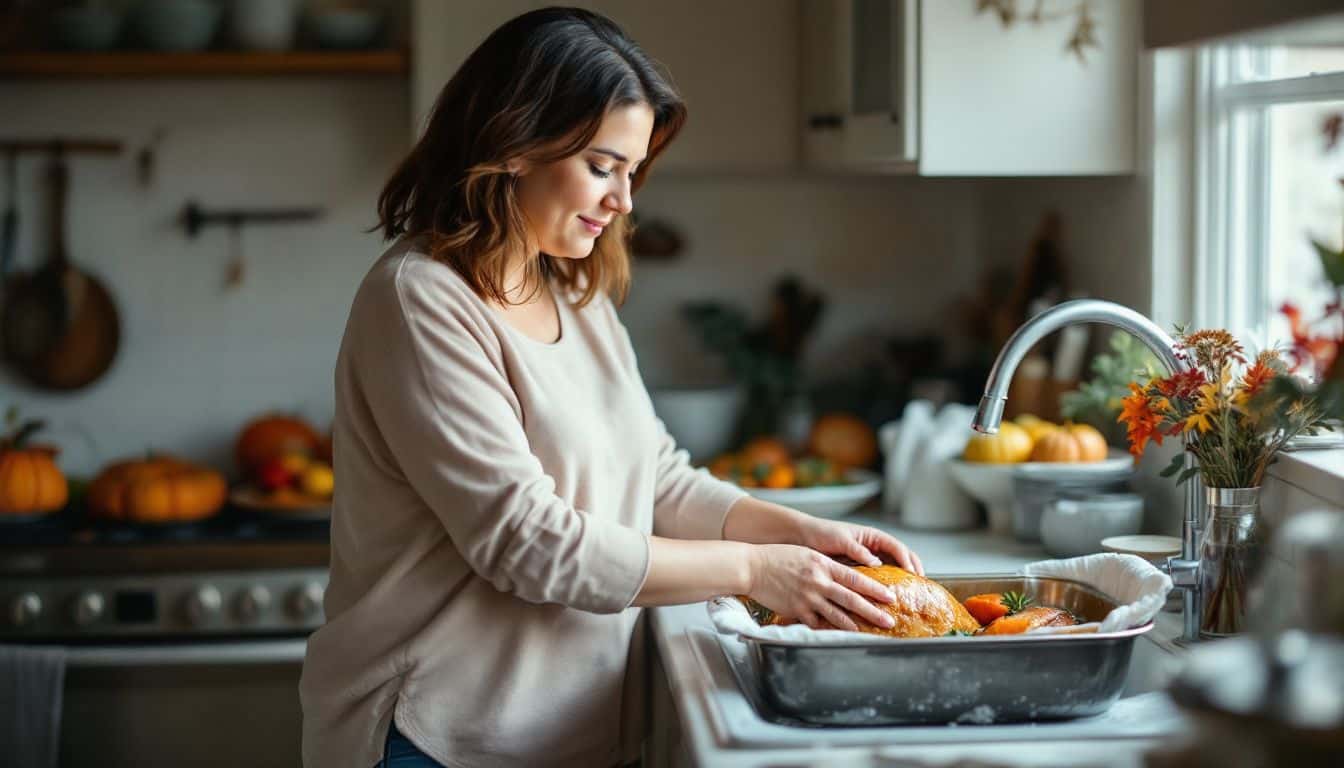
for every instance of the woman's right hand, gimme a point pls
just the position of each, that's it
(806, 585)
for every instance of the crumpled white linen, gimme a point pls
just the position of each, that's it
(1136, 584)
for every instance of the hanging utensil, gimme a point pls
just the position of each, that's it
(233, 273)
(60, 326)
(194, 218)
(9, 222)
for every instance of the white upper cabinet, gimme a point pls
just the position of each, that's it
(967, 96)
(859, 84)
(1014, 101)
(734, 63)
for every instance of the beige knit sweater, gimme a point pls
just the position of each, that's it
(490, 529)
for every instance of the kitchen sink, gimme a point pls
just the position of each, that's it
(741, 719)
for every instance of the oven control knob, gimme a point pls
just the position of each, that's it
(306, 602)
(25, 609)
(252, 603)
(87, 608)
(203, 605)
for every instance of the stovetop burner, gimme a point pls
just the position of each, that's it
(242, 572)
(72, 543)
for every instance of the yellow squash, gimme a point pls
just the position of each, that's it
(1011, 445)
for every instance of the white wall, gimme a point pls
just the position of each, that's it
(890, 253)
(196, 361)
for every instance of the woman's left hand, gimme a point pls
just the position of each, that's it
(860, 543)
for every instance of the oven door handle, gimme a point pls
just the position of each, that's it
(241, 652)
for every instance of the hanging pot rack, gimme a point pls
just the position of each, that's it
(195, 218)
(60, 146)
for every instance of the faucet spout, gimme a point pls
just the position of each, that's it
(989, 414)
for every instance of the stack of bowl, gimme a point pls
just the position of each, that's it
(175, 25)
(83, 28)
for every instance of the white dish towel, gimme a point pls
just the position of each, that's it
(1139, 588)
(1136, 584)
(32, 681)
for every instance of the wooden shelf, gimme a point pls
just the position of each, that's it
(34, 64)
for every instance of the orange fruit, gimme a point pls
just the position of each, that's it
(295, 463)
(723, 466)
(844, 439)
(766, 450)
(780, 476)
(317, 480)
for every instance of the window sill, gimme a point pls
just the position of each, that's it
(1318, 472)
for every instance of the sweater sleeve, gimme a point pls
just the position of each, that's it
(688, 502)
(444, 406)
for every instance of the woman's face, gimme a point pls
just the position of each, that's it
(567, 203)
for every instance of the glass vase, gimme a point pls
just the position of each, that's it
(1230, 549)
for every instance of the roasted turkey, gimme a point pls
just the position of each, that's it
(923, 608)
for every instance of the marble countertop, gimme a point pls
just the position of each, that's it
(717, 722)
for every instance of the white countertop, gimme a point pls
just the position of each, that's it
(707, 699)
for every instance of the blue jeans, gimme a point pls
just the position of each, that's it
(399, 752)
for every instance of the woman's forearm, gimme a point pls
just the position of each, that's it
(760, 522)
(692, 571)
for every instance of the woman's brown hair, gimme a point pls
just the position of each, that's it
(535, 91)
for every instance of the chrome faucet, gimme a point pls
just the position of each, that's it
(1185, 569)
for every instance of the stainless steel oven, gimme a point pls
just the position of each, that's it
(183, 643)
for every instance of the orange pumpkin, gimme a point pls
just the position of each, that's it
(324, 449)
(30, 481)
(157, 490)
(272, 436)
(1070, 443)
(844, 439)
(1035, 427)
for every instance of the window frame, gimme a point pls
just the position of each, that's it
(1231, 257)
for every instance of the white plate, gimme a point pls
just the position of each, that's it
(1324, 438)
(1154, 549)
(256, 500)
(825, 500)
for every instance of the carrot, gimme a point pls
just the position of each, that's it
(986, 608)
(1027, 619)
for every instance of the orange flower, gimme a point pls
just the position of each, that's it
(1319, 351)
(1257, 376)
(1142, 423)
(1214, 348)
(1182, 385)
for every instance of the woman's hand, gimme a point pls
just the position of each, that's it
(863, 544)
(804, 584)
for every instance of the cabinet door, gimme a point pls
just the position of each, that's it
(734, 63)
(1013, 101)
(859, 84)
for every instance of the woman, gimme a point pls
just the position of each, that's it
(507, 499)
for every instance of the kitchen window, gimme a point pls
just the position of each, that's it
(1266, 183)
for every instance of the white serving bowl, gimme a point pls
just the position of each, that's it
(826, 500)
(992, 484)
(1073, 527)
(700, 420)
